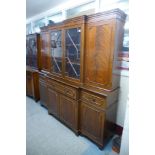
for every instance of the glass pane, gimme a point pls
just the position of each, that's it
(33, 50)
(27, 52)
(56, 51)
(72, 58)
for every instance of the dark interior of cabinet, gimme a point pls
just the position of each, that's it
(72, 55)
(31, 52)
(56, 51)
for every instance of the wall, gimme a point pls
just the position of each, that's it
(123, 95)
(125, 137)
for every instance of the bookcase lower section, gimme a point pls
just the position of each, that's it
(83, 111)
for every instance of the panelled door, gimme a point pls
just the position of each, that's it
(99, 56)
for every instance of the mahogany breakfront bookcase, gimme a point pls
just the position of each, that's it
(78, 80)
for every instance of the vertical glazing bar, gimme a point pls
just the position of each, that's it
(63, 52)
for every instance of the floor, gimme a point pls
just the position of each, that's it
(47, 136)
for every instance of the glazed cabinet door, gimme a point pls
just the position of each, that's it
(28, 52)
(92, 123)
(69, 112)
(45, 51)
(99, 54)
(56, 51)
(33, 50)
(72, 52)
(53, 102)
(43, 93)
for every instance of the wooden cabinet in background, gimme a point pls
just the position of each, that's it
(81, 80)
(33, 55)
(32, 65)
(32, 84)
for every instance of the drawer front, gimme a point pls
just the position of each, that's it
(71, 92)
(57, 86)
(93, 99)
(66, 90)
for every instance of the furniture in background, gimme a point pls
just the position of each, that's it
(78, 80)
(33, 65)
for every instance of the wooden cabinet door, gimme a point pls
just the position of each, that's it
(29, 84)
(92, 123)
(45, 51)
(99, 54)
(69, 111)
(43, 93)
(53, 102)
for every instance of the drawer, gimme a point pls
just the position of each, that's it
(66, 90)
(71, 92)
(57, 86)
(93, 99)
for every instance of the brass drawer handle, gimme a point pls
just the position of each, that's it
(67, 91)
(94, 101)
